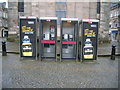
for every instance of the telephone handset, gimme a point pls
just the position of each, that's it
(46, 36)
(52, 36)
(66, 37)
(70, 37)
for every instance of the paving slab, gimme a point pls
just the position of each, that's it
(50, 74)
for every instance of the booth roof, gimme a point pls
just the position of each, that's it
(71, 19)
(28, 17)
(90, 20)
(51, 18)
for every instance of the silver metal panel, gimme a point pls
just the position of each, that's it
(69, 52)
(49, 52)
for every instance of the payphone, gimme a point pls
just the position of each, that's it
(48, 37)
(69, 35)
(89, 39)
(28, 37)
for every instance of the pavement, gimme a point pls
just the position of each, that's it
(50, 74)
(105, 48)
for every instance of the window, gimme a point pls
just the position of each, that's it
(3, 14)
(5, 24)
(111, 15)
(116, 26)
(98, 7)
(61, 1)
(21, 6)
(0, 23)
(109, 26)
(0, 14)
(6, 15)
(117, 13)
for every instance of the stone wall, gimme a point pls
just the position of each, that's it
(104, 22)
(13, 17)
(81, 10)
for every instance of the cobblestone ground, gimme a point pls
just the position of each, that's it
(0, 72)
(67, 74)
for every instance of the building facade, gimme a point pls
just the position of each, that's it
(3, 20)
(81, 10)
(114, 20)
(104, 22)
(13, 17)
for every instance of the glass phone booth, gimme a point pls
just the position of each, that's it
(48, 37)
(69, 35)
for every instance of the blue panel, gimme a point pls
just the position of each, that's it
(114, 31)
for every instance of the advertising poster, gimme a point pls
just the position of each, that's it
(27, 37)
(89, 40)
